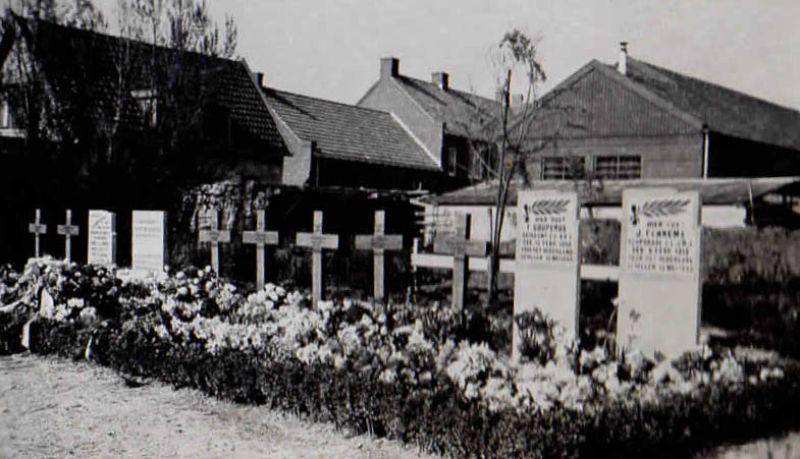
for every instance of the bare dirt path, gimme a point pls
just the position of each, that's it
(56, 408)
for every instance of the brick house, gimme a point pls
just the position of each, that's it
(443, 119)
(338, 145)
(636, 120)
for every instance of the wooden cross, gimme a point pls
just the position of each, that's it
(37, 228)
(461, 248)
(379, 242)
(214, 235)
(68, 230)
(260, 237)
(317, 241)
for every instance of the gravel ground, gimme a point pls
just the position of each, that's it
(56, 408)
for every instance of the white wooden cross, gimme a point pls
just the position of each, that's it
(379, 243)
(214, 235)
(317, 241)
(461, 247)
(260, 237)
(68, 230)
(37, 228)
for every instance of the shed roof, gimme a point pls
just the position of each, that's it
(717, 191)
(724, 110)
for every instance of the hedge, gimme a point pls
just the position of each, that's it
(437, 417)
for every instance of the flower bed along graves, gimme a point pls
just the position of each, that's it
(403, 371)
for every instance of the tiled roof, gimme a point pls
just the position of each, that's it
(81, 61)
(348, 132)
(464, 114)
(717, 191)
(724, 110)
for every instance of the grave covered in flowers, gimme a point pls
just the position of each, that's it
(413, 372)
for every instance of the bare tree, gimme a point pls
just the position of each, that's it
(502, 142)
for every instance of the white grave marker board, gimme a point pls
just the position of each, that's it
(547, 267)
(149, 238)
(659, 282)
(102, 247)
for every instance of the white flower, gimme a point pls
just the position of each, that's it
(308, 353)
(75, 303)
(388, 376)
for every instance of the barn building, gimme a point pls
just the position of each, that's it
(636, 120)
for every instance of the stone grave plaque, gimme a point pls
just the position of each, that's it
(547, 266)
(149, 238)
(102, 246)
(659, 282)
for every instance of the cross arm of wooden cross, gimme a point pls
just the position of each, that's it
(461, 247)
(68, 230)
(318, 241)
(260, 237)
(207, 235)
(379, 242)
(37, 228)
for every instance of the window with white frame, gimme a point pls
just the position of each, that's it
(563, 167)
(618, 167)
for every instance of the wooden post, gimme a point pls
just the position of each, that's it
(37, 228)
(317, 241)
(260, 237)
(379, 243)
(461, 248)
(68, 230)
(214, 235)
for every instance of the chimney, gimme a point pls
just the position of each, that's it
(390, 67)
(441, 79)
(622, 64)
(260, 79)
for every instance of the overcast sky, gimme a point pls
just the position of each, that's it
(331, 49)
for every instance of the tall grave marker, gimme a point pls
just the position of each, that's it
(149, 240)
(461, 247)
(659, 283)
(102, 246)
(379, 243)
(68, 230)
(317, 241)
(214, 236)
(547, 268)
(37, 228)
(260, 237)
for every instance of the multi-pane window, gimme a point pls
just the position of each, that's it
(618, 167)
(563, 167)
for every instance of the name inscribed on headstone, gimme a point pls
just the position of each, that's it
(149, 240)
(662, 236)
(102, 232)
(547, 268)
(546, 230)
